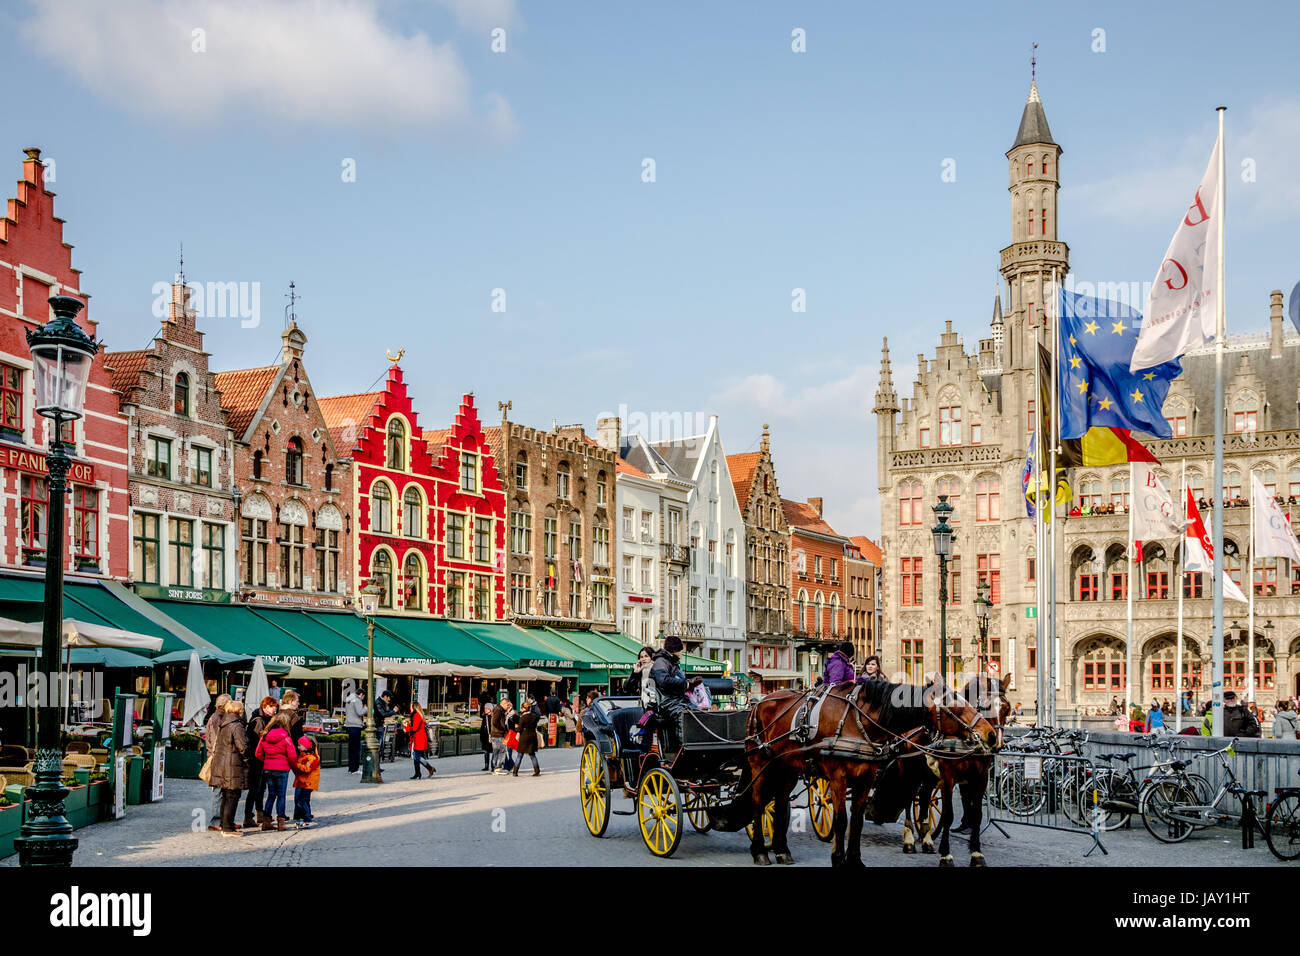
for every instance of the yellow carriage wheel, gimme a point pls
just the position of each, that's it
(929, 814)
(821, 811)
(769, 824)
(659, 812)
(697, 811)
(593, 784)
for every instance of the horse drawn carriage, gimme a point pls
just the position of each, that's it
(671, 783)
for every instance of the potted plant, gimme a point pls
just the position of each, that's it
(98, 795)
(74, 804)
(446, 741)
(185, 756)
(326, 749)
(11, 821)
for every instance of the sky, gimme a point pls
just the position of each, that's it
(587, 208)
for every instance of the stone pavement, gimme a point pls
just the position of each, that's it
(465, 817)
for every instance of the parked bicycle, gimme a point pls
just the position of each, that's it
(1172, 808)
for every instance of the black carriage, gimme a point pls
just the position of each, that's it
(670, 784)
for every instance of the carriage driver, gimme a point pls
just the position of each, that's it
(671, 684)
(839, 666)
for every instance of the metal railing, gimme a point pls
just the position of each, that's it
(683, 629)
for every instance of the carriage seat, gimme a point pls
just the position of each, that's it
(623, 721)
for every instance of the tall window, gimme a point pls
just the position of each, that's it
(396, 444)
(158, 455)
(1090, 493)
(293, 556)
(329, 476)
(455, 536)
(954, 579)
(521, 532)
(381, 508)
(256, 542)
(909, 503)
(381, 567)
(550, 538)
(201, 471)
(601, 608)
(952, 488)
(180, 553)
(600, 490)
(1268, 478)
(1266, 577)
(483, 540)
(1087, 586)
(455, 594)
(988, 570)
(1232, 484)
(925, 437)
(412, 513)
(469, 472)
(214, 556)
(1119, 491)
(1245, 414)
(600, 546)
(1029, 413)
(575, 538)
(293, 461)
(145, 547)
(520, 587)
(1178, 425)
(11, 398)
(521, 473)
(85, 524)
(950, 425)
(327, 559)
(1193, 585)
(413, 582)
(257, 464)
(562, 482)
(482, 597)
(912, 595)
(988, 506)
(35, 511)
(629, 523)
(1293, 484)
(1119, 585)
(913, 656)
(181, 395)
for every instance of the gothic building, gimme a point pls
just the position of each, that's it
(964, 432)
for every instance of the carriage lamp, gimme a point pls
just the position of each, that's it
(983, 606)
(943, 548)
(62, 354)
(369, 594)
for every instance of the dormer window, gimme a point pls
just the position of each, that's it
(181, 394)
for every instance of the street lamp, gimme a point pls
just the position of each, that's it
(62, 354)
(943, 548)
(371, 771)
(982, 608)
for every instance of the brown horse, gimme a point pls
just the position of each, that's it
(859, 729)
(961, 768)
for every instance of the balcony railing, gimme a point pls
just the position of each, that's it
(683, 629)
(677, 554)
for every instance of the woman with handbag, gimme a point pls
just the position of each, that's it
(527, 740)
(512, 737)
(417, 729)
(229, 767)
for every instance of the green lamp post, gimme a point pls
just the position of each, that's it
(371, 771)
(982, 608)
(943, 548)
(62, 354)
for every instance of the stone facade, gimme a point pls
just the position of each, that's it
(36, 263)
(183, 529)
(560, 489)
(295, 516)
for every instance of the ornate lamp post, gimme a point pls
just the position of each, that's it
(943, 548)
(982, 608)
(371, 772)
(62, 355)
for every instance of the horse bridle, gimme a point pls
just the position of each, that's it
(969, 732)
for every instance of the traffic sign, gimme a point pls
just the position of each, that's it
(1031, 611)
(992, 667)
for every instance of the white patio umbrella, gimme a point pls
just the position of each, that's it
(196, 691)
(77, 634)
(258, 687)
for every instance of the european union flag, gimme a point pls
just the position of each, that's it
(1097, 388)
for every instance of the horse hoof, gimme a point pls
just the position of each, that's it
(946, 861)
(928, 848)
(909, 848)
(784, 858)
(762, 859)
(977, 859)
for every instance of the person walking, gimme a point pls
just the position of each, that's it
(306, 778)
(1285, 724)
(485, 734)
(497, 732)
(512, 736)
(418, 731)
(354, 719)
(210, 740)
(229, 771)
(527, 731)
(256, 785)
(279, 755)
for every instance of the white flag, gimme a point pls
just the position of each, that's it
(1181, 311)
(1273, 535)
(1154, 513)
(1198, 550)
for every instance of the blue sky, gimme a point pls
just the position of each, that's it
(522, 171)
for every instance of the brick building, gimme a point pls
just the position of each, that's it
(295, 520)
(36, 263)
(182, 511)
(430, 512)
(560, 491)
(863, 565)
(817, 581)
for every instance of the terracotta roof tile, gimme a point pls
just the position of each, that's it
(125, 368)
(434, 439)
(800, 514)
(623, 468)
(870, 550)
(496, 440)
(743, 468)
(346, 416)
(242, 392)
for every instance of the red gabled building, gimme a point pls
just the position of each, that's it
(429, 507)
(35, 263)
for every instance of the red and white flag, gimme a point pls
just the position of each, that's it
(1181, 311)
(1198, 550)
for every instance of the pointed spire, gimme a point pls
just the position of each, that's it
(765, 445)
(997, 304)
(886, 397)
(1033, 122)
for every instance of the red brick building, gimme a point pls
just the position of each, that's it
(183, 527)
(430, 511)
(295, 514)
(36, 263)
(864, 564)
(817, 577)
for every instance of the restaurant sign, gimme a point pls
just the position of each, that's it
(543, 663)
(32, 462)
(155, 592)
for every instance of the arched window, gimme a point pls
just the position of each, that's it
(181, 394)
(835, 615)
(293, 461)
(413, 514)
(801, 612)
(257, 463)
(1267, 478)
(381, 508)
(909, 503)
(1245, 414)
(1090, 492)
(1087, 583)
(952, 488)
(381, 567)
(396, 444)
(818, 622)
(1196, 482)
(1119, 492)
(1103, 664)
(521, 472)
(413, 582)
(988, 505)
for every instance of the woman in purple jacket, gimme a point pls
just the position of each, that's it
(839, 666)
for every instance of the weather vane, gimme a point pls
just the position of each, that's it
(1033, 65)
(394, 358)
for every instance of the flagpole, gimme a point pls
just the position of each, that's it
(1054, 431)
(1128, 594)
(1040, 712)
(1182, 577)
(1216, 677)
(1250, 604)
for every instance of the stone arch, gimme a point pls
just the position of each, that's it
(257, 506)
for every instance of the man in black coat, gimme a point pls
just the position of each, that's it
(669, 680)
(383, 710)
(553, 704)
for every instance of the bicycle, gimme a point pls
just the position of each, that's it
(1282, 823)
(1172, 808)
(1117, 793)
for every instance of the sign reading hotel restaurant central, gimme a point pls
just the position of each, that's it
(33, 462)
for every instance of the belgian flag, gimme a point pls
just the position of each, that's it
(1100, 445)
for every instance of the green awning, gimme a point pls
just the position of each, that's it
(240, 630)
(691, 663)
(616, 658)
(23, 598)
(342, 636)
(525, 648)
(441, 640)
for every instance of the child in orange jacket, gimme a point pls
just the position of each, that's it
(306, 778)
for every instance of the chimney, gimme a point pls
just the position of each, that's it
(1275, 323)
(816, 504)
(33, 168)
(295, 340)
(609, 433)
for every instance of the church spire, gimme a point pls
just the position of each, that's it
(886, 397)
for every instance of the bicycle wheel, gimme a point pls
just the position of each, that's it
(1020, 796)
(1110, 793)
(1204, 792)
(1074, 800)
(1282, 826)
(1160, 799)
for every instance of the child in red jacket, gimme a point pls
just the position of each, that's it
(306, 778)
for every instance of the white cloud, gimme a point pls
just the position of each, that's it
(480, 14)
(851, 396)
(331, 62)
